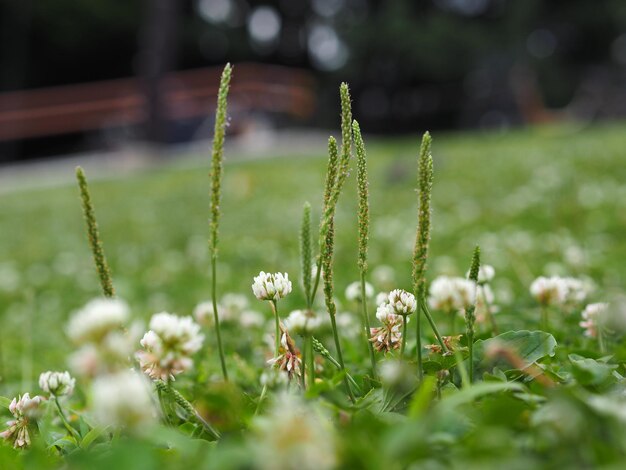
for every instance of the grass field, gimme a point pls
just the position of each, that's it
(549, 200)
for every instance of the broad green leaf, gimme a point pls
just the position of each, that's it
(470, 394)
(589, 371)
(529, 346)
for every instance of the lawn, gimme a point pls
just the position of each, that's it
(547, 200)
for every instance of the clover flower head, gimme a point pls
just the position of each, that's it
(289, 361)
(269, 286)
(303, 322)
(353, 291)
(576, 290)
(203, 313)
(123, 400)
(294, 434)
(169, 345)
(24, 409)
(381, 298)
(549, 290)
(452, 343)
(57, 383)
(452, 294)
(96, 319)
(402, 302)
(251, 319)
(590, 318)
(388, 336)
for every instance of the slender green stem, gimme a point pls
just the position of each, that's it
(216, 316)
(274, 305)
(342, 366)
(599, 329)
(367, 326)
(304, 362)
(318, 275)
(187, 406)
(65, 422)
(470, 345)
(418, 320)
(261, 398)
(319, 347)
(311, 358)
(465, 380)
(403, 346)
(433, 325)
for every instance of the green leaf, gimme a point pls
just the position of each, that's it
(92, 435)
(470, 394)
(5, 402)
(589, 371)
(529, 346)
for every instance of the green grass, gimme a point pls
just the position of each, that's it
(541, 200)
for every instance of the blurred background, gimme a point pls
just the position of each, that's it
(92, 75)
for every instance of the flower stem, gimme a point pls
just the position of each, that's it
(418, 320)
(403, 346)
(274, 305)
(216, 316)
(432, 324)
(65, 422)
(367, 326)
(342, 366)
(311, 359)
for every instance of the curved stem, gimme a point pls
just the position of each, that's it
(65, 422)
(367, 325)
(432, 324)
(318, 275)
(215, 315)
(342, 366)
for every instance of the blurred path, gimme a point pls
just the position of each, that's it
(255, 144)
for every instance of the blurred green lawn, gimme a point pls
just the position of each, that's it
(547, 200)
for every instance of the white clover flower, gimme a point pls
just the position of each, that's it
(388, 336)
(235, 304)
(268, 286)
(303, 322)
(452, 294)
(549, 290)
(353, 291)
(96, 319)
(396, 373)
(203, 313)
(251, 319)
(590, 318)
(402, 302)
(576, 290)
(24, 409)
(384, 311)
(124, 400)
(57, 383)
(169, 345)
(381, 298)
(294, 434)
